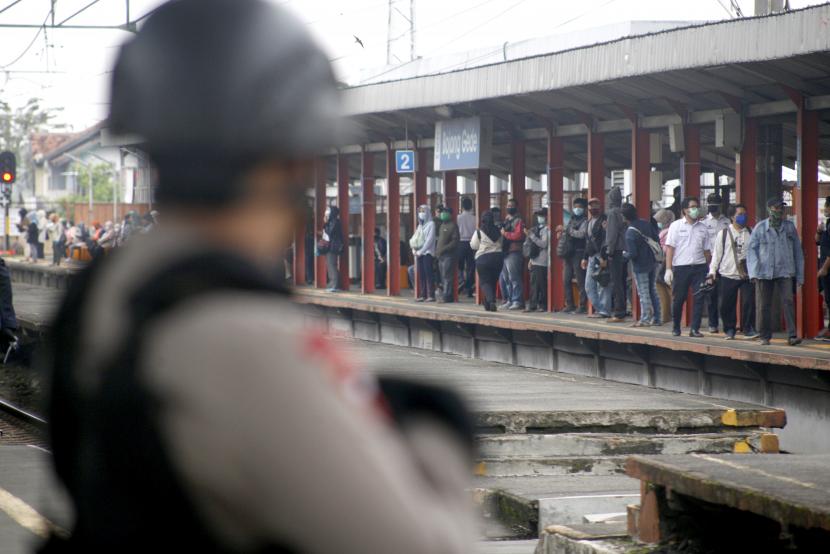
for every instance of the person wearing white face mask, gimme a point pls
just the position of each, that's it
(536, 243)
(688, 253)
(571, 251)
(423, 247)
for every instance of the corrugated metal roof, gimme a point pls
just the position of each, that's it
(708, 45)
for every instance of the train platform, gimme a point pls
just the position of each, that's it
(32, 505)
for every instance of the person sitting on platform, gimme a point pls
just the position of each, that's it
(688, 253)
(729, 267)
(423, 248)
(513, 234)
(775, 262)
(466, 255)
(643, 264)
(487, 243)
(446, 250)
(537, 241)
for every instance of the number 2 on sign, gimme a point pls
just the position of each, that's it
(406, 162)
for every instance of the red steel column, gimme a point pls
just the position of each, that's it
(368, 211)
(420, 198)
(691, 162)
(691, 186)
(520, 195)
(556, 215)
(319, 210)
(343, 204)
(298, 267)
(808, 307)
(745, 169)
(482, 205)
(641, 197)
(596, 166)
(451, 201)
(393, 225)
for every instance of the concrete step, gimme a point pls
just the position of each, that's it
(507, 547)
(550, 465)
(535, 502)
(589, 538)
(610, 444)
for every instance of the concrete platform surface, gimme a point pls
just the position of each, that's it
(506, 547)
(520, 398)
(35, 306)
(810, 355)
(30, 499)
(791, 489)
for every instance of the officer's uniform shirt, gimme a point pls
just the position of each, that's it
(689, 241)
(714, 225)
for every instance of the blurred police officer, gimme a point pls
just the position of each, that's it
(190, 410)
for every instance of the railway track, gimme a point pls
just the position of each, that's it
(20, 426)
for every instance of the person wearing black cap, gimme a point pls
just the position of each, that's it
(715, 222)
(823, 242)
(191, 408)
(775, 262)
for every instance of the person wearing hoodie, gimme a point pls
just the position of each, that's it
(447, 250)
(32, 234)
(423, 248)
(487, 244)
(643, 265)
(576, 233)
(614, 246)
(332, 242)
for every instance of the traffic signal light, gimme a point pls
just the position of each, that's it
(8, 167)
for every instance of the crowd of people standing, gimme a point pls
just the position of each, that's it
(66, 237)
(714, 262)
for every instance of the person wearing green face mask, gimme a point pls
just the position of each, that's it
(688, 254)
(447, 252)
(775, 261)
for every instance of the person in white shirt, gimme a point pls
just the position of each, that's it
(715, 223)
(466, 255)
(728, 267)
(687, 259)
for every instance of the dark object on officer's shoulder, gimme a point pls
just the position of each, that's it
(409, 400)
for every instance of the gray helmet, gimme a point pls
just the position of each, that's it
(211, 86)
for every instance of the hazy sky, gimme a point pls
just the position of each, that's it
(70, 68)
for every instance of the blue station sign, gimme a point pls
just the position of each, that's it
(405, 161)
(463, 144)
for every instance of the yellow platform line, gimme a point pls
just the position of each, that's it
(26, 516)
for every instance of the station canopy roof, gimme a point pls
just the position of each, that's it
(690, 74)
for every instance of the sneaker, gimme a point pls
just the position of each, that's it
(529, 309)
(615, 319)
(793, 341)
(505, 305)
(824, 335)
(656, 323)
(429, 300)
(695, 334)
(582, 311)
(419, 299)
(515, 306)
(541, 309)
(569, 311)
(730, 335)
(752, 334)
(641, 324)
(675, 332)
(764, 342)
(596, 315)
(713, 330)
(332, 289)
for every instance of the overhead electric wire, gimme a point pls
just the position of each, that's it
(13, 4)
(731, 15)
(29, 46)
(448, 18)
(79, 11)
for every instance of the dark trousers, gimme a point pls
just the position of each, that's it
(825, 287)
(729, 289)
(380, 274)
(467, 267)
(426, 278)
(58, 248)
(41, 248)
(619, 277)
(539, 286)
(8, 317)
(446, 267)
(489, 268)
(574, 270)
(686, 277)
(764, 293)
(712, 305)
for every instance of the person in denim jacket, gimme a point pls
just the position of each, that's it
(774, 260)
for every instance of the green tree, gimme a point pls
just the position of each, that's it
(103, 184)
(16, 128)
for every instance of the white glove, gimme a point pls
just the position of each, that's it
(668, 277)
